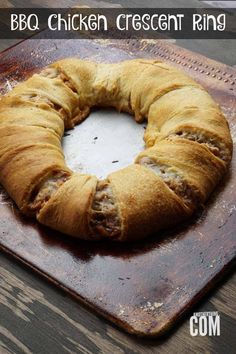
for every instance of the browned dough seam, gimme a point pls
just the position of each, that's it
(39, 99)
(216, 148)
(43, 192)
(53, 73)
(190, 195)
(77, 115)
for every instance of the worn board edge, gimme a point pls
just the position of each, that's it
(200, 296)
(184, 59)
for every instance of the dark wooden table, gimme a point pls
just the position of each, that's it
(37, 317)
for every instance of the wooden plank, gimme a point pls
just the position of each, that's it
(45, 320)
(143, 287)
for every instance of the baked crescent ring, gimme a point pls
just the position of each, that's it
(188, 148)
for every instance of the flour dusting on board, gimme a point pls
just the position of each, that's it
(230, 113)
(8, 86)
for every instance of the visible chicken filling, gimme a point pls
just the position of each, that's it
(174, 181)
(53, 73)
(216, 148)
(77, 115)
(68, 82)
(47, 188)
(33, 97)
(105, 219)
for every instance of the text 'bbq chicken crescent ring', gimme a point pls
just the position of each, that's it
(188, 148)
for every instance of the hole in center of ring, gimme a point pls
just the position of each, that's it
(105, 142)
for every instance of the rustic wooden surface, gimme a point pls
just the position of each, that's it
(106, 276)
(60, 320)
(38, 318)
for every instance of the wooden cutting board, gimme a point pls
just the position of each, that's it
(142, 287)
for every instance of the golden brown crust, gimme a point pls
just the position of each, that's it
(145, 203)
(189, 160)
(188, 148)
(68, 209)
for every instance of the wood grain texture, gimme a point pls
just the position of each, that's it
(40, 319)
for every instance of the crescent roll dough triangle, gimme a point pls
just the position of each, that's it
(188, 148)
